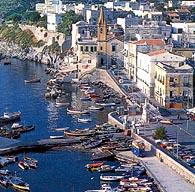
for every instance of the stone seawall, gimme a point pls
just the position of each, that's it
(162, 156)
(104, 76)
(113, 121)
(169, 161)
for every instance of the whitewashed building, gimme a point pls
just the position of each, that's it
(145, 68)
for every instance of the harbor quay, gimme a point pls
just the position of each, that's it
(160, 164)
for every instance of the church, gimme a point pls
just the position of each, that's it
(100, 45)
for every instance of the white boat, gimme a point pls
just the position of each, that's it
(61, 129)
(17, 183)
(16, 126)
(111, 178)
(84, 120)
(56, 137)
(75, 111)
(166, 121)
(94, 108)
(106, 104)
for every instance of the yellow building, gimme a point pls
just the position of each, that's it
(174, 85)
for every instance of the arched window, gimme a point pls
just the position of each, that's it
(101, 30)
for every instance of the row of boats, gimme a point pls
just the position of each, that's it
(128, 177)
(10, 180)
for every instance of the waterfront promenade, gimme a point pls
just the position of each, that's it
(168, 178)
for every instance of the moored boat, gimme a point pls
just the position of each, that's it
(166, 121)
(56, 136)
(34, 80)
(106, 104)
(23, 165)
(94, 108)
(93, 144)
(78, 133)
(75, 111)
(18, 184)
(94, 165)
(9, 117)
(111, 178)
(84, 120)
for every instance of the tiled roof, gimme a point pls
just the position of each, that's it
(158, 52)
(158, 42)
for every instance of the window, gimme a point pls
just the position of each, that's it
(89, 61)
(113, 48)
(95, 49)
(101, 30)
(180, 30)
(81, 48)
(101, 48)
(86, 49)
(171, 94)
(171, 79)
(91, 49)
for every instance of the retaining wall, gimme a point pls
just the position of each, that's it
(165, 158)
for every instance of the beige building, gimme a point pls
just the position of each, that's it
(145, 68)
(174, 85)
(99, 47)
(131, 50)
(109, 41)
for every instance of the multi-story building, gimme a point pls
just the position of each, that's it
(97, 45)
(174, 85)
(131, 49)
(52, 9)
(146, 30)
(145, 68)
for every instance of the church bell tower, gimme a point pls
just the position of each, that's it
(102, 38)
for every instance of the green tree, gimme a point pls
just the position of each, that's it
(32, 16)
(68, 19)
(160, 133)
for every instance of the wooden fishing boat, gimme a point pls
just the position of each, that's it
(94, 165)
(78, 133)
(9, 117)
(94, 108)
(166, 121)
(16, 126)
(23, 165)
(84, 120)
(25, 128)
(76, 112)
(18, 184)
(56, 136)
(106, 168)
(93, 144)
(111, 178)
(106, 104)
(34, 80)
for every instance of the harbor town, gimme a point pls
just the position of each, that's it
(97, 96)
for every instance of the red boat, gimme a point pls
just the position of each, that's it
(94, 165)
(93, 95)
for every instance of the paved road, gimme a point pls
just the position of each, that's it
(169, 179)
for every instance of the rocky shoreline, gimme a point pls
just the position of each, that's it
(32, 54)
